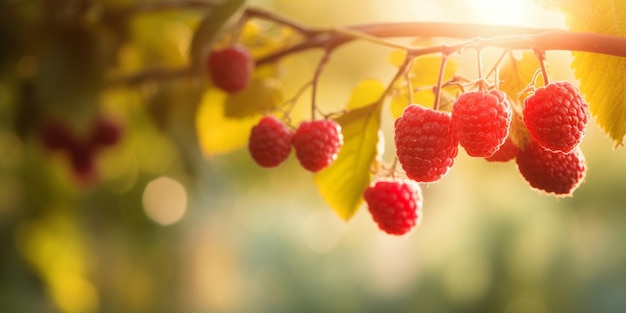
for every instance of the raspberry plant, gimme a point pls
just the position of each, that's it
(236, 66)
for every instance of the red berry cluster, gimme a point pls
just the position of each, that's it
(81, 151)
(556, 117)
(427, 141)
(317, 143)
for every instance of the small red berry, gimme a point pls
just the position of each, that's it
(270, 142)
(82, 159)
(552, 172)
(481, 121)
(317, 143)
(426, 143)
(556, 116)
(56, 136)
(231, 68)
(105, 132)
(396, 206)
(507, 151)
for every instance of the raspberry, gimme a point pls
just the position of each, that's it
(82, 158)
(105, 132)
(317, 143)
(507, 151)
(556, 116)
(56, 136)
(426, 143)
(230, 68)
(396, 206)
(270, 142)
(481, 121)
(552, 172)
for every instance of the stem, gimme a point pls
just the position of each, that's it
(541, 56)
(444, 58)
(316, 76)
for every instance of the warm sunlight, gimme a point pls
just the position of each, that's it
(512, 12)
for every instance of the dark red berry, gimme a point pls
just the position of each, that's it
(230, 68)
(481, 120)
(556, 116)
(553, 172)
(56, 136)
(396, 206)
(317, 143)
(426, 143)
(105, 131)
(270, 142)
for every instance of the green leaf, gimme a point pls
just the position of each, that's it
(342, 183)
(602, 78)
(209, 27)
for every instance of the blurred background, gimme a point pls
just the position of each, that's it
(167, 228)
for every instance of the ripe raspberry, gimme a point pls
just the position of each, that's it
(56, 136)
(556, 116)
(82, 157)
(552, 172)
(426, 143)
(230, 68)
(507, 151)
(396, 206)
(270, 142)
(317, 143)
(105, 132)
(481, 121)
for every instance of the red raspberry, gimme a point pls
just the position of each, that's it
(56, 136)
(270, 142)
(426, 143)
(507, 151)
(552, 172)
(317, 143)
(481, 121)
(82, 157)
(556, 116)
(396, 206)
(230, 68)
(105, 132)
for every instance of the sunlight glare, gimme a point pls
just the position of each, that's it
(513, 12)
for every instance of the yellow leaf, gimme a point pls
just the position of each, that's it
(263, 94)
(423, 74)
(602, 78)
(365, 93)
(217, 133)
(342, 183)
(515, 75)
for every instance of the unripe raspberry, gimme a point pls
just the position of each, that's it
(556, 116)
(552, 172)
(396, 206)
(426, 143)
(317, 143)
(481, 121)
(230, 68)
(270, 142)
(507, 151)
